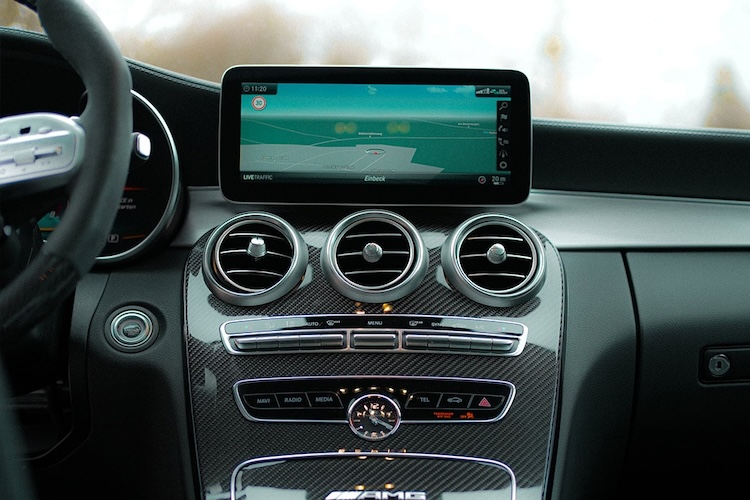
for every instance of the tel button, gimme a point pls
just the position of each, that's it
(423, 400)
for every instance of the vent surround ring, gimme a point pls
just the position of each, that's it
(495, 260)
(254, 258)
(374, 256)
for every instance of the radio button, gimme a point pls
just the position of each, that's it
(293, 400)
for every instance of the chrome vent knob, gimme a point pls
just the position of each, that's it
(254, 258)
(495, 260)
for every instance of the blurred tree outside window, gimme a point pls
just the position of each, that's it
(641, 63)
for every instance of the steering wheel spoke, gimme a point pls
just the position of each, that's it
(38, 152)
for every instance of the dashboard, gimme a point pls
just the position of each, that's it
(366, 346)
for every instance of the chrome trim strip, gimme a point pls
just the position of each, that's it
(297, 327)
(171, 209)
(262, 461)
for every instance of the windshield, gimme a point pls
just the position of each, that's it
(665, 63)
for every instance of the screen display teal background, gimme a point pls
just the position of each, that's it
(447, 126)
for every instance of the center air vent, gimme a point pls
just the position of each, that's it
(254, 258)
(494, 260)
(374, 256)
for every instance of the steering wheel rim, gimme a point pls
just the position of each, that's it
(97, 187)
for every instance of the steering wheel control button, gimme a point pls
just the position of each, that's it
(131, 329)
(374, 417)
(261, 401)
(55, 150)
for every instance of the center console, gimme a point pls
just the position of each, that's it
(341, 352)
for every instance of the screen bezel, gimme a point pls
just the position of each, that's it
(382, 194)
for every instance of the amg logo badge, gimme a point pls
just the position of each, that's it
(376, 495)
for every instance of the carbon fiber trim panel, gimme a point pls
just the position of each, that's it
(431, 475)
(522, 439)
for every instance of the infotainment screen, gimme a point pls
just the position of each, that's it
(365, 135)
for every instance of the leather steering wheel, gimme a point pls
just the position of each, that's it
(89, 155)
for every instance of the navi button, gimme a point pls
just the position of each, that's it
(261, 401)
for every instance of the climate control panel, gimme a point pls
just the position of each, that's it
(374, 333)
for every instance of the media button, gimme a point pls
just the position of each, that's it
(324, 399)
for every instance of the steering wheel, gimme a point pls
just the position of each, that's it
(87, 155)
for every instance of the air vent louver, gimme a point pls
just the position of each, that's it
(374, 256)
(253, 259)
(494, 260)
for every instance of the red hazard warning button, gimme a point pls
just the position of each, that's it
(486, 402)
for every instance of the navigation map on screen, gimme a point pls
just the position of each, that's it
(373, 132)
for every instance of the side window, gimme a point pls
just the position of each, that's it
(15, 15)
